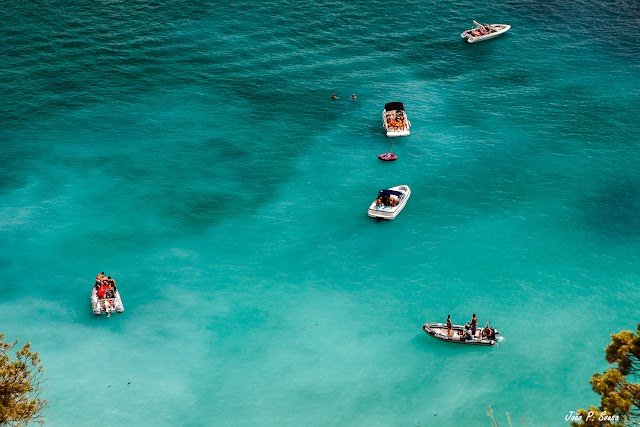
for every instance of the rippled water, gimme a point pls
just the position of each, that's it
(192, 151)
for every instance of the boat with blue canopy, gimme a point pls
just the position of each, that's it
(390, 202)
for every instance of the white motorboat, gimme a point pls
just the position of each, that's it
(390, 202)
(105, 299)
(394, 119)
(462, 334)
(483, 32)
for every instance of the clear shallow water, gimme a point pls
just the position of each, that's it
(191, 150)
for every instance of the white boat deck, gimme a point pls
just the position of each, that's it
(391, 208)
(483, 32)
(395, 122)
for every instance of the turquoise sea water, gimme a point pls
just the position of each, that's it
(192, 151)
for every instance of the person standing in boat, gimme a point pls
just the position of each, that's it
(449, 325)
(474, 323)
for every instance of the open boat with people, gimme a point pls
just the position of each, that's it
(390, 202)
(462, 334)
(394, 119)
(105, 297)
(483, 32)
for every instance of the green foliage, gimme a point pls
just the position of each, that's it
(21, 380)
(619, 396)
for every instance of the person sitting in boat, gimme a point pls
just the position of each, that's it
(488, 333)
(109, 282)
(379, 201)
(467, 333)
(102, 290)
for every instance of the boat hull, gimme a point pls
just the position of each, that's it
(439, 332)
(394, 133)
(389, 212)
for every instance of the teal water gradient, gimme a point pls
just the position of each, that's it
(192, 151)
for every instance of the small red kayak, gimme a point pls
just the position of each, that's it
(387, 157)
